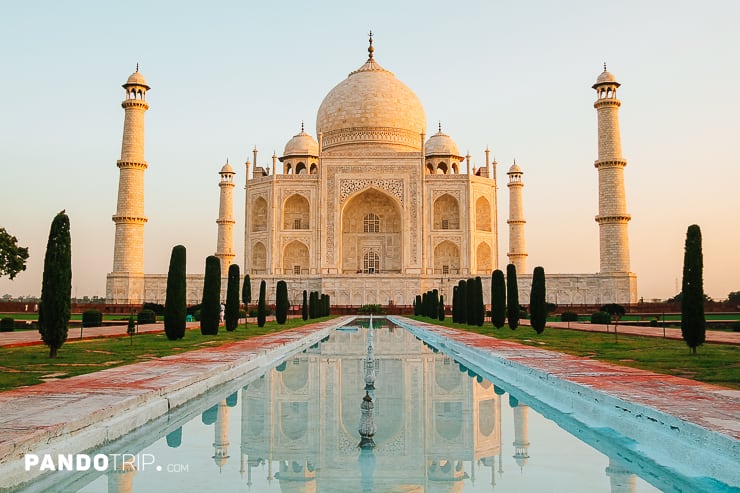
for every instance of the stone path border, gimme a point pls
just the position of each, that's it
(619, 397)
(86, 410)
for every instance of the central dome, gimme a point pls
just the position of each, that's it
(371, 107)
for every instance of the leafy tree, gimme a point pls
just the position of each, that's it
(56, 286)
(282, 304)
(261, 310)
(131, 329)
(498, 299)
(537, 303)
(616, 312)
(231, 311)
(12, 256)
(693, 323)
(734, 297)
(210, 309)
(304, 308)
(512, 297)
(175, 305)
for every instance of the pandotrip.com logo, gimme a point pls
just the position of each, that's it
(98, 462)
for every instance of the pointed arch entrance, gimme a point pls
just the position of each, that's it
(371, 234)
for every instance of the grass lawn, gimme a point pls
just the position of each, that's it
(717, 364)
(30, 365)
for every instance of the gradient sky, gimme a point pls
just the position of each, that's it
(514, 76)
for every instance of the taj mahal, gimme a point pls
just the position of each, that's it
(372, 210)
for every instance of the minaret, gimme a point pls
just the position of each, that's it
(521, 431)
(225, 221)
(517, 246)
(221, 435)
(128, 253)
(613, 218)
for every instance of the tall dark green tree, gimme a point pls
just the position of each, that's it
(479, 308)
(441, 308)
(512, 297)
(231, 312)
(304, 308)
(210, 307)
(693, 322)
(247, 292)
(282, 304)
(498, 299)
(537, 300)
(455, 304)
(470, 302)
(261, 308)
(56, 285)
(175, 304)
(462, 301)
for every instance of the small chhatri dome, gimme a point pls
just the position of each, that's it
(515, 169)
(441, 144)
(606, 77)
(302, 144)
(227, 168)
(136, 79)
(371, 106)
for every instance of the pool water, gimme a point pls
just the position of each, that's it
(430, 425)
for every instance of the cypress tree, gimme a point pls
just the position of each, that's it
(479, 306)
(261, 310)
(282, 304)
(210, 308)
(434, 309)
(56, 285)
(175, 306)
(312, 304)
(325, 298)
(455, 303)
(462, 302)
(693, 322)
(231, 312)
(537, 302)
(498, 299)
(512, 297)
(417, 306)
(470, 302)
(304, 308)
(247, 292)
(441, 308)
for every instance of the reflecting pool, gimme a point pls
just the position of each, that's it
(426, 424)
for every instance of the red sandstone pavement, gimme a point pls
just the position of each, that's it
(709, 406)
(43, 413)
(32, 337)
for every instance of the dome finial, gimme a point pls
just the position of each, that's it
(604, 66)
(301, 126)
(137, 66)
(370, 48)
(439, 124)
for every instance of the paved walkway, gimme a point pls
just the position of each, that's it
(32, 337)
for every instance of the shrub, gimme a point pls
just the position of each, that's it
(92, 318)
(736, 327)
(654, 322)
(146, 317)
(157, 308)
(569, 317)
(7, 324)
(600, 318)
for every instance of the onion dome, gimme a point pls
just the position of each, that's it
(371, 106)
(515, 169)
(441, 144)
(301, 144)
(226, 169)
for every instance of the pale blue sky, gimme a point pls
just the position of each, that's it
(515, 76)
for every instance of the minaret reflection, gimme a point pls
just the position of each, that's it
(221, 435)
(370, 359)
(621, 479)
(121, 479)
(521, 431)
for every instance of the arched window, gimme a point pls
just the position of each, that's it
(371, 223)
(370, 262)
